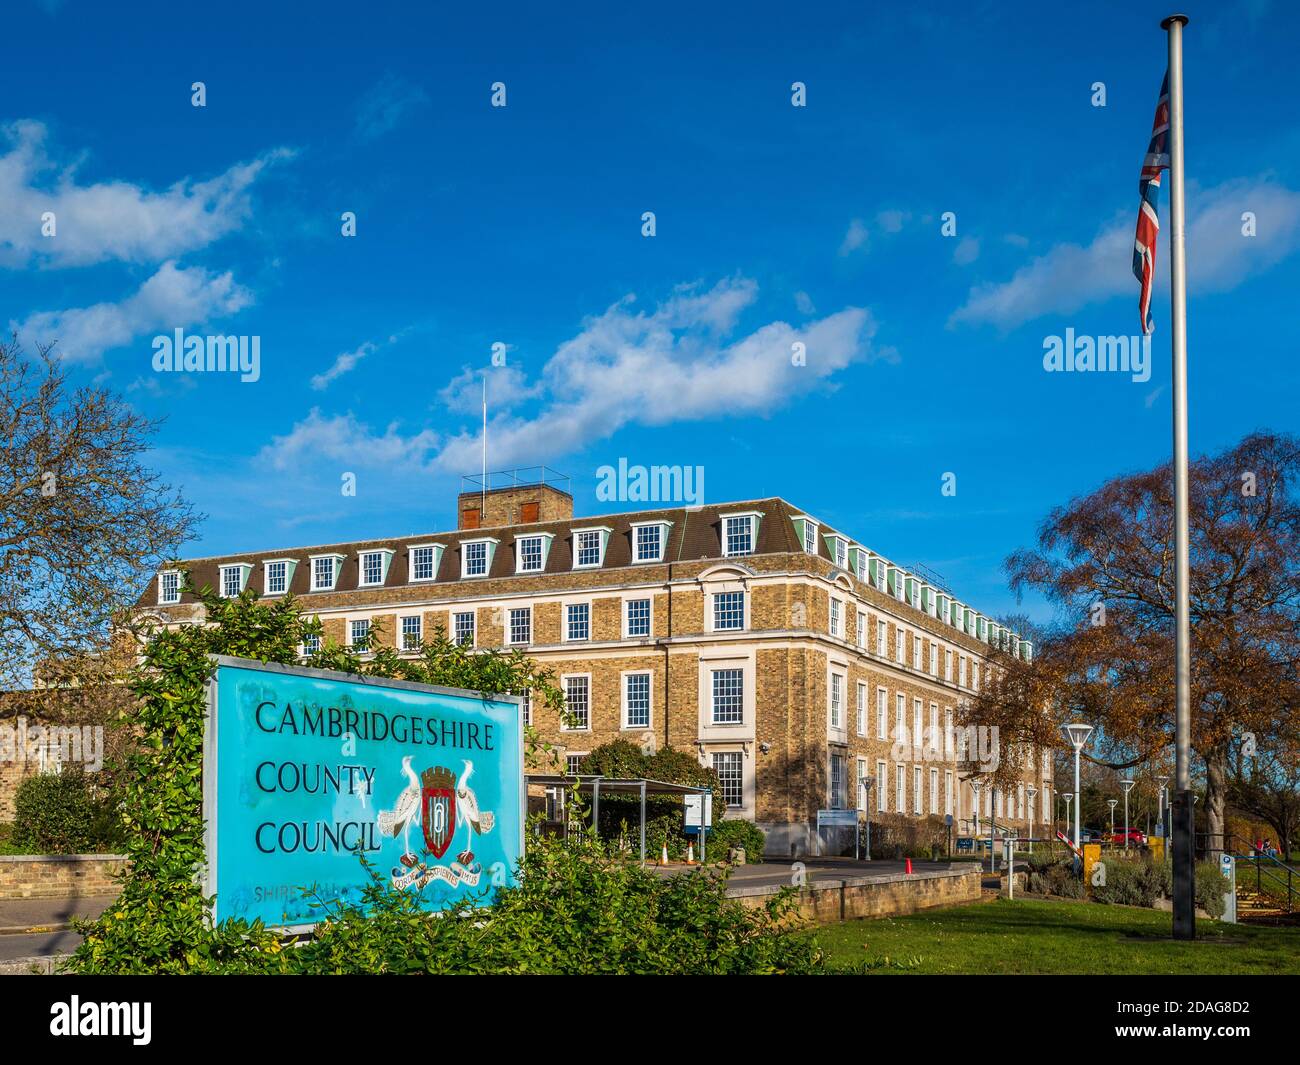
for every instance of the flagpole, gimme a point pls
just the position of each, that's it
(1183, 841)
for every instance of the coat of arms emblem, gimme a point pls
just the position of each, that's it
(438, 809)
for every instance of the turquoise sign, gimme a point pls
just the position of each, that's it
(304, 768)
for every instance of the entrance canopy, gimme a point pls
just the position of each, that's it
(595, 785)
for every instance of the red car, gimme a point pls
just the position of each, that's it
(1134, 837)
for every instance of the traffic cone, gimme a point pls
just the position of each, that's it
(664, 859)
(690, 854)
(909, 865)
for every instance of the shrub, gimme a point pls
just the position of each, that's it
(1054, 875)
(733, 832)
(895, 836)
(61, 813)
(1210, 886)
(1130, 882)
(578, 908)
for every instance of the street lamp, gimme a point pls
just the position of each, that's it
(1077, 733)
(1031, 791)
(1067, 797)
(1127, 785)
(975, 786)
(1112, 803)
(867, 782)
(1161, 788)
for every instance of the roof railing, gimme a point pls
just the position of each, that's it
(519, 477)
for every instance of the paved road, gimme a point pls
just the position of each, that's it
(37, 945)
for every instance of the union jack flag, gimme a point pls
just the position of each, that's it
(1148, 227)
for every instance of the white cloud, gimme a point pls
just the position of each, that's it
(678, 362)
(892, 221)
(507, 388)
(174, 297)
(1219, 256)
(854, 238)
(343, 363)
(109, 220)
(967, 251)
(385, 105)
(352, 444)
(804, 303)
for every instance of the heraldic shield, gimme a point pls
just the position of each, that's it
(438, 809)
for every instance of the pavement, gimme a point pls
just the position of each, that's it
(782, 873)
(40, 927)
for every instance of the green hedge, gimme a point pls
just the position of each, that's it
(63, 813)
(733, 832)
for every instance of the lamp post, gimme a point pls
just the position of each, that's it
(1067, 797)
(1077, 733)
(1112, 803)
(975, 786)
(867, 782)
(1127, 785)
(1031, 791)
(1161, 781)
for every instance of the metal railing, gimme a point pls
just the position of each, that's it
(520, 476)
(1273, 877)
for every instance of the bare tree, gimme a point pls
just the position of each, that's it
(1106, 561)
(83, 523)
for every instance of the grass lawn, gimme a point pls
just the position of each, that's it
(1032, 936)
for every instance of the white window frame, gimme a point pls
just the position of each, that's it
(882, 713)
(385, 558)
(753, 518)
(711, 673)
(636, 527)
(568, 623)
(861, 632)
(289, 565)
(918, 799)
(564, 687)
(713, 610)
(882, 786)
(628, 634)
(509, 634)
(489, 551)
(835, 621)
(163, 599)
(435, 550)
(244, 568)
(336, 567)
(862, 708)
(543, 551)
(473, 627)
(602, 533)
(370, 633)
(419, 631)
(835, 700)
(624, 680)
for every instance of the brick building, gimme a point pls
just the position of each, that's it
(784, 653)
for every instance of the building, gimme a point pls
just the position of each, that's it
(786, 654)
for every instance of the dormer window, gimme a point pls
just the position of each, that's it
(276, 575)
(325, 572)
(859, 562)
(739, 534)
(234, 578)
(374, 567)
(424, 560)
(531, 552)
(807, 530)
(476, 556)
(648, 541)
(169, 586)
(839, 550)
(880, 573)
(589, 547)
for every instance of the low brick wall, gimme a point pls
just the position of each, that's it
(888, 895)
(55, 876)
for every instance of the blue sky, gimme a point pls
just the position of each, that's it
(521, 225)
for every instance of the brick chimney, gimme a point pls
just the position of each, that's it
(521, 504)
